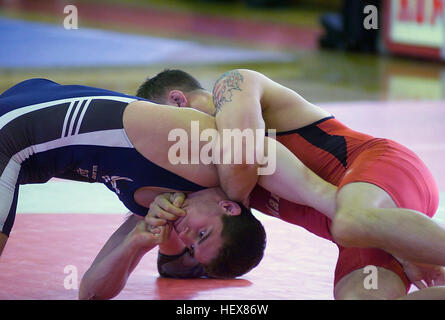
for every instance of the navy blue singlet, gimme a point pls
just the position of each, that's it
(73, 132)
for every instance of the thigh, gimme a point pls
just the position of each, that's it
(369, 272)
(358, 285)
(364, 195)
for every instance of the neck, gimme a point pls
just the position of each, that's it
(201, 100)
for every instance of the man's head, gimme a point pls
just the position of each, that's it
(177, 88)
(224, 235)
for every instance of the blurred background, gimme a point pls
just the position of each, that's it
(318, 47)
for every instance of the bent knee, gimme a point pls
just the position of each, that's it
(382, 284)
(348, 228)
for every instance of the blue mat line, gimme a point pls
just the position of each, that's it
(32, 44)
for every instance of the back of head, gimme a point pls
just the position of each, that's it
(156, 89)
(244, 241)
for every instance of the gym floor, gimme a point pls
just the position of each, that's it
(61, 225)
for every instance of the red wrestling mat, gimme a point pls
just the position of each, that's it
(297, 265)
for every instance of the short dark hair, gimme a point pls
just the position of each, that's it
(155, 89)
(244, 241)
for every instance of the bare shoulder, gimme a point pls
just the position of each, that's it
(234, 79)
(238, 83)
(225, 87)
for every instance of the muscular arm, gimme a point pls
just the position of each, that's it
(121, 254)
(156, 121)
(293, 181)
(237, 99)
(110, 270)
(241, 97)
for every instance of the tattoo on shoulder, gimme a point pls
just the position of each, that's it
(224, 88)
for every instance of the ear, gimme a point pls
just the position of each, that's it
(232, 208)
(177, 98)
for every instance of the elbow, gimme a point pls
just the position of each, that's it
(84, 293)
(239, 182)
(87, 291)
(84, 288)
(84, 296)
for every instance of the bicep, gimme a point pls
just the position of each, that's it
(237, 99)
(239, 119)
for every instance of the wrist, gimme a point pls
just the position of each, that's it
(136, 242)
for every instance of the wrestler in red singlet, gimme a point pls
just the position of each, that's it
(340, 156)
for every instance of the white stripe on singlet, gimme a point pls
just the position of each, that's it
(87, 104)
(11, 115)
(112, 138)
(9, 176)
(65, 122)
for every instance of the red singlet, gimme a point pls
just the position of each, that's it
(340, 156)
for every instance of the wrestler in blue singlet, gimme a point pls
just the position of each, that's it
(73, 132)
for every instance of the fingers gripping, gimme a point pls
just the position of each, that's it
(165, 207)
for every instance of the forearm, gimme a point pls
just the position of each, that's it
(238, 170)
(241, 127)
(237, 181)
(293, 181)
(106, 278)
